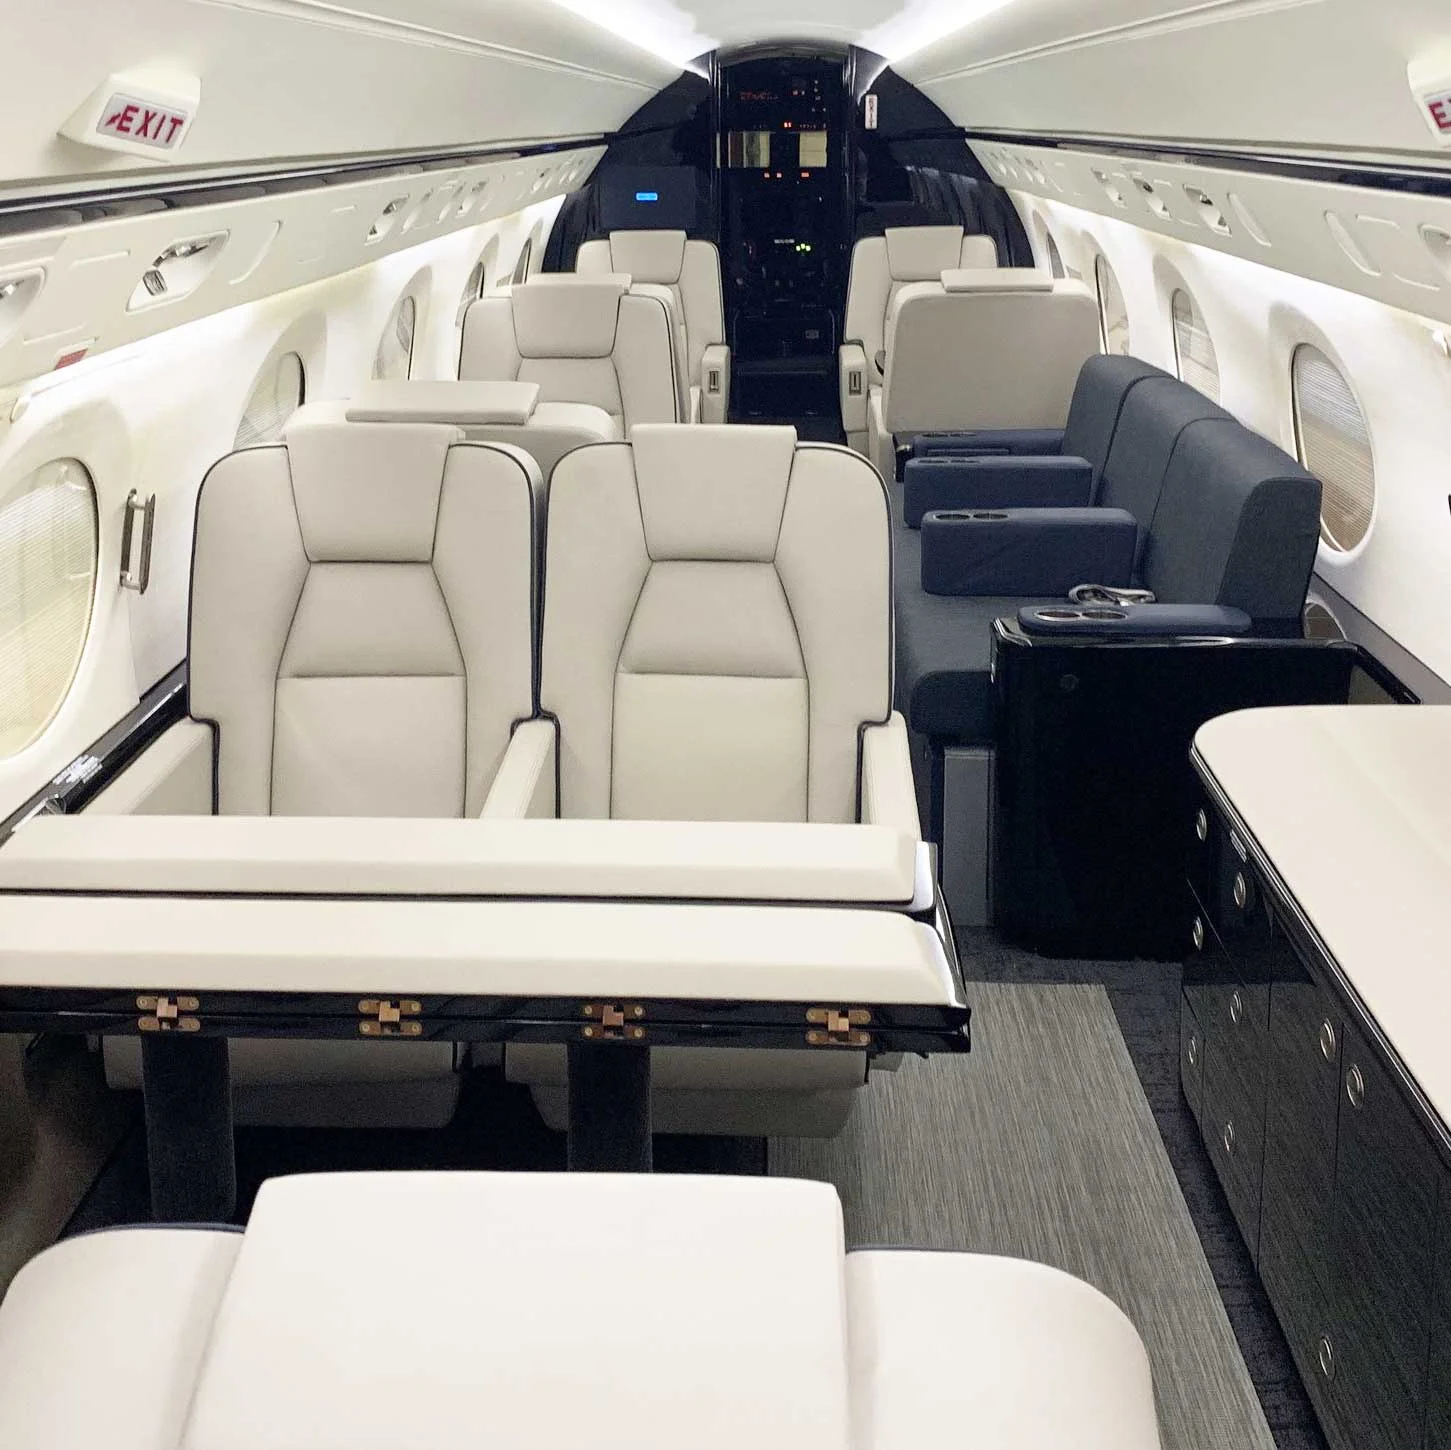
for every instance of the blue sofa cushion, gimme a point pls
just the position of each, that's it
(994, 483)
(1026, 552)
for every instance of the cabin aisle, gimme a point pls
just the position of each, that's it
(1042, 1144)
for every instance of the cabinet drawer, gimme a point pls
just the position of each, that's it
(1386, 1184)
(1303, 1308)
(1233, 1121)
(1191, 1053)
(1438, 1406)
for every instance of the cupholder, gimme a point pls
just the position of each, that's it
(1104, 614)
(963, 516)
(1057, 614)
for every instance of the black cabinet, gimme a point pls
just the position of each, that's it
(1383, 1248)
(1332, 1169)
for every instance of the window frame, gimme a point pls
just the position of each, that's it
(1301, 351)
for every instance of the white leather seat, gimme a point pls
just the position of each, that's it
(640, 1312)
(508, 413)
(588, 342)
(980, 349)
(361, 644)
(717, 645)
(690, 270)
(880, 268)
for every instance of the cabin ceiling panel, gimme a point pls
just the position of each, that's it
(83, 288)
(310, 78)
(1326, 75)
(1393, 246)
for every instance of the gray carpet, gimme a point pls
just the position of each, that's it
(1041, 1145)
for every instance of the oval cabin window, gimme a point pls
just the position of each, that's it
(1194, 355)
(1333, 441)
(48, 545)
(277, 396)
(473, 290)
(395, 347)
(1113, 312)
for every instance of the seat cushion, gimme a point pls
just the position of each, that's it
(944, 649)
(1037, 1359)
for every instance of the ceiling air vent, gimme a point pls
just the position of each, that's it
(387, 220)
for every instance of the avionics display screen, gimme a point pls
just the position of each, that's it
(760, 150)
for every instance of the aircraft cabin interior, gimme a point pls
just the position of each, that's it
(725, 724)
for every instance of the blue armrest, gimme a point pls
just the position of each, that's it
(1196, 621)
(1004, 442)
(1026, 551)
(994, 483)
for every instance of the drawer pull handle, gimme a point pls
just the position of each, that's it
(1201, 825)
(1325, 1354)
(1193, 1051)
(1355, 1087)
(1241, 890)
(1198, 933)
(1236, 1008)
(1327, 1040)
(1229, 1136)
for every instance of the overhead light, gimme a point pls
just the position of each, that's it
(916, 27)
(657, 26)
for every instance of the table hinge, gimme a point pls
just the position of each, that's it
(611, 1023)
(168, 1014)
(838, 1027)
(387, 1018)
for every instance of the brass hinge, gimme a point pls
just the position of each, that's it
(838, 1027)
(386, 1018)
(168, 1014)
(611, 1023)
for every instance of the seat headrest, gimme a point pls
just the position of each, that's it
(997, 279)
(922, 254)
(458, 404)
(368, 492)
(656, 257)
(712, 492)
(566, 315)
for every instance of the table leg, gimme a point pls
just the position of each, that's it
(609, 1108)
(187, 1082)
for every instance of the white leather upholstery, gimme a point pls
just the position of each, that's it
(991, 351)
(882, 266)
(171, 777)
(360, 632)
(583, 340)
(361, 644)
(509, 858)
(690, 270)
(717, 626)
(734, 1317)
(717, 633)
(507, 414)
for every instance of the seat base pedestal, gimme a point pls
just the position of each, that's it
(609, 1109)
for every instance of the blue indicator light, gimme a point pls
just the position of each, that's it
(647, 196)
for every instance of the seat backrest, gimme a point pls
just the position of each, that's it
(690, 269)
(362, 620)
(1155, 414)
(1237, 524)
(583, 340)
(1098, 403)
(882, 266)
(717, 625)
(679, 342)
(986, 350)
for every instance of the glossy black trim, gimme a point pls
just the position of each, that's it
(161, 707)
(1426, 180)
(1318, 960)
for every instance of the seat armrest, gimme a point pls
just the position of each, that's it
(715, 383)
(171, 777)
(941, 482)
(1026, 552)
(523, 788)
(881, 445)
(889, 796)
(987, 442)
(855, 387)
(1188, 621)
